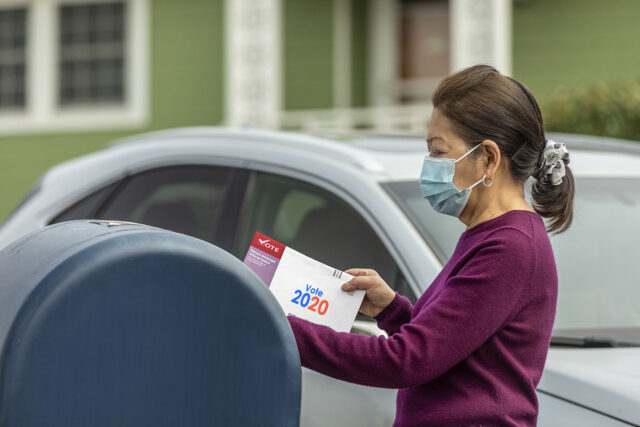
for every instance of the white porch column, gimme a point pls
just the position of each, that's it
(342, 53)
(481, 34)
(253, 58)
(384, 51)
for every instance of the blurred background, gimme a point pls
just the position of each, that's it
(76, 74)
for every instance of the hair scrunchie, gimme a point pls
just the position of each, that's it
(553, 160)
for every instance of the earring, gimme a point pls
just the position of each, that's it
(485, 184)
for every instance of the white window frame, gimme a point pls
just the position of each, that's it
(43, 112)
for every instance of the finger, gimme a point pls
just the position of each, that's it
(360, 282)
(361, 272)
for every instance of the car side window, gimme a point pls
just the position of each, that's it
(87, 207)
(317, 223)
(185, 199)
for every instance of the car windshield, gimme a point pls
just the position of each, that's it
(599, 287)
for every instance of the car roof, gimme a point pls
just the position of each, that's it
(383, 158)
(590, 156)
(250, 138)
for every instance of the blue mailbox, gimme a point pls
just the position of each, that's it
(114, 324)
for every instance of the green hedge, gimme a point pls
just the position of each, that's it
(606, 109)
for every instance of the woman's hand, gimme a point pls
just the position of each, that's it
(378, 294)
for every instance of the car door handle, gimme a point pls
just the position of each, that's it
(364, 327)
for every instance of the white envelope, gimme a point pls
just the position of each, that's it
(304, 287)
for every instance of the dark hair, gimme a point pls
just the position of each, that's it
(483, 104)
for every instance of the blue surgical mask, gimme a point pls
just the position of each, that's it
(436, 183)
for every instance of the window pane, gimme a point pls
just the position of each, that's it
(440, 231)
(12, 58)
(596, 289)
(87, 207)
(318, 224)
(186, 199)
(92, 53)
(597, 284)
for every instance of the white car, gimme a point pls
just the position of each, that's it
(358, 204)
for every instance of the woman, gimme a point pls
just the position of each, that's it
(472, 349)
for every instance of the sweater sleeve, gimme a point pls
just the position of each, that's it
(394, 315)
(474, 303)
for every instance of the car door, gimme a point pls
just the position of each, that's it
(321, 225)
(197, 200)
(317, 223)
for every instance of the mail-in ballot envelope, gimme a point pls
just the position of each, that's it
(304, 287)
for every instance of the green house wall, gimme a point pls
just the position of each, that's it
(575, 43)
(360, 53)
(307, 54)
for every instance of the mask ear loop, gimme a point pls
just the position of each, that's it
(467, 153)
(483, 182)
(483, 176)
(480, 181)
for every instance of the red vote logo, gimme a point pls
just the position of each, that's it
(268, 245)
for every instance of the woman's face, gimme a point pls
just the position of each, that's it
(443, 143)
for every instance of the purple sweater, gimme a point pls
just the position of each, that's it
(472, 349)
